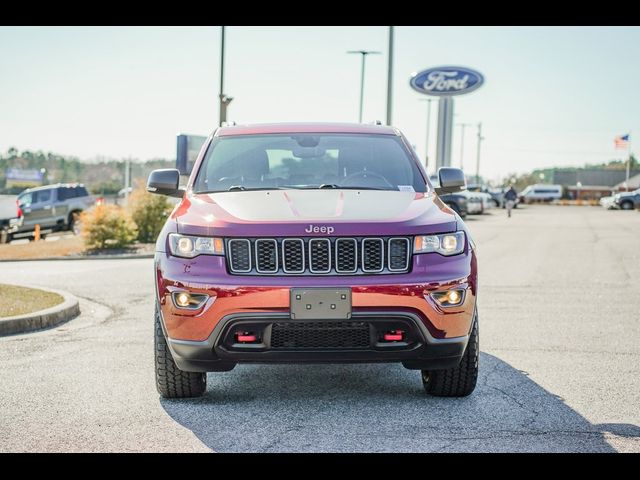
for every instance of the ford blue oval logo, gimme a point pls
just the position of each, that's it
(446, 81)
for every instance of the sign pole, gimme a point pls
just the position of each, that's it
(426, 155)
(445, 127)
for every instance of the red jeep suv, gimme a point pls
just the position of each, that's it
(313, 243)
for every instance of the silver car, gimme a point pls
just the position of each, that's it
(53, 207)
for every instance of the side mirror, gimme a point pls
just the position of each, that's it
(451, 180)
(165, 181)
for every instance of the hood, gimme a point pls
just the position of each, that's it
(299, 212)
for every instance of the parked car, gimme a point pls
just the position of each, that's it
(53, 207)
(298, 243)
(11, 219)
(627, 200)
(475, 202)
(608, 202)
(492, 197)
(540, 193)
(456, 201)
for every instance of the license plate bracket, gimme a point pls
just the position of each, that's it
(320, 303)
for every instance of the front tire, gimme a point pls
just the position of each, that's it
(172, 382)
(461, 380)
(626, 205)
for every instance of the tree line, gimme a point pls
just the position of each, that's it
(102, 176)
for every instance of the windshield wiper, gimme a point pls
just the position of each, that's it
(336, 186)
(238, 188)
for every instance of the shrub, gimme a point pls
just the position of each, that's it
(149, 212)
(107, 226)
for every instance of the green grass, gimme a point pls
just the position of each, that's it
(20, 300)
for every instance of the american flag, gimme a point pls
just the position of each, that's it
(621, 141)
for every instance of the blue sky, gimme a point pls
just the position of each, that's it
(553, 95)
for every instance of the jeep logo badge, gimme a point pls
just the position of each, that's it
(319, 229)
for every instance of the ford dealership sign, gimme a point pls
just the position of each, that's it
(446, 81)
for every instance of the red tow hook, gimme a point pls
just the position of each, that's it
(246, 337)
(394, 336)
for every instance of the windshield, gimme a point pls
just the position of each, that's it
(250, 162)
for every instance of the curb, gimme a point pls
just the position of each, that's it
(88, 257)
(47, 318)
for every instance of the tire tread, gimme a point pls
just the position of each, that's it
(461, 380)
(171, 382)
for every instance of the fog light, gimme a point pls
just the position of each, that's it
(182, 299)
(189, 301)
(453, 296)
(450, 298)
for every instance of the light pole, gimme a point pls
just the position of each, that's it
(364, 54)
(426, 153)
(390, 77)
(462, 126)
(225, 100)
(480, 138)
(127, 179)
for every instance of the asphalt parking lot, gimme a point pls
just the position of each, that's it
(560, 365)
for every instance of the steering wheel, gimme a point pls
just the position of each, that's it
(364, 174)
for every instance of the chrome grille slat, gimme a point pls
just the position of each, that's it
(372, 255)
(240, 255)
(293, 254)
(266, 255)
(346, 255)
(398, 254)
(319, 255)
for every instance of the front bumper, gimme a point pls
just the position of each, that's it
(197, 337)
(419, 349)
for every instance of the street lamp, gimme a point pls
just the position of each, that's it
(225, 100)
(364, 54)
(390, 77)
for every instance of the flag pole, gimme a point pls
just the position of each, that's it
(628, 159)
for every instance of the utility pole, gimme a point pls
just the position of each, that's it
(364, 54)
(390, 78)
(480, 138)
(225, 100)
(426, 154)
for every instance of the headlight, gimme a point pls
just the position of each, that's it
(446, 244)
(189, 247)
